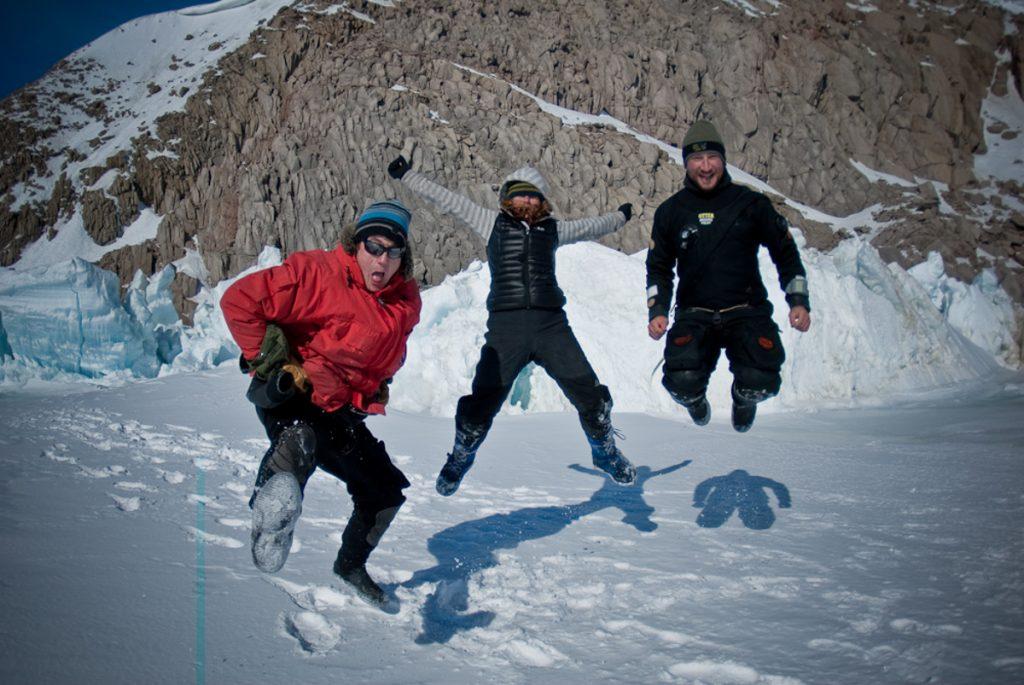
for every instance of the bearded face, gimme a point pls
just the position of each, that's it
(528, 208)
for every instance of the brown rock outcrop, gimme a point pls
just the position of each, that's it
(292, 134)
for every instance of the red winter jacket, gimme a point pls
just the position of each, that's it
(348, 339)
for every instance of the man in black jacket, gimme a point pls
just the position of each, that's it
(709, 233)
(526, 316)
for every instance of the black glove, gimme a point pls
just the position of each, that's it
(273, 353)
(398, 167)
(627, 210)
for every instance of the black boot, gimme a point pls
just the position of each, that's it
(700, 411)
(696, 405)
(361, 536)
(743, 416)
(744, 406)
(362, 583)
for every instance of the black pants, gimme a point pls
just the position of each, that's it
(514, 339)
(751, 342)
(344, 448)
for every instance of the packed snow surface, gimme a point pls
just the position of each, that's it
(843, 546)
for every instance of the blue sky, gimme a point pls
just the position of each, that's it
(36, 34)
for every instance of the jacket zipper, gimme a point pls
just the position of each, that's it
(526, 263)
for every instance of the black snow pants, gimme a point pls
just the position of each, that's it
(517, 337)
(342, 445)
(751, 342)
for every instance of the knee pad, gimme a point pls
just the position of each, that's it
(686, 386)
(754, 385)
(295, 452)
(381, 522)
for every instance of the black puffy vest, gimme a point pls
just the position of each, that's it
(522, 264)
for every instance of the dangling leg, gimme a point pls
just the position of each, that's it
(376, 485)
(276, 501)
(755, 356)
(502, 357)
(690, 357)
(559, 353)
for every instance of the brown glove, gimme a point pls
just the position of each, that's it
(298, 374)
(383, 392)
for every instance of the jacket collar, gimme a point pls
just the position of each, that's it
(723, 183)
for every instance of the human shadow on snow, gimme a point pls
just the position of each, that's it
(470, 546)
(738, 491)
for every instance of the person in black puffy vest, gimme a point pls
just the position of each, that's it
(709, 234)
(526, 320)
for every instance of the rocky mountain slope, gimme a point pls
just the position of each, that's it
(879, 111)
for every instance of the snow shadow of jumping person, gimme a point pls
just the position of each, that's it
(630, 500)
(722, 495)
(471, 546)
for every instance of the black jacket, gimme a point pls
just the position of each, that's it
(711, 240)
(522, 263)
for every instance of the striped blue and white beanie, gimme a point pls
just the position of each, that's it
(389, 218)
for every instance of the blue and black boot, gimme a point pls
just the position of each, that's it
(607, 457)
(467, 442)
(605, 454)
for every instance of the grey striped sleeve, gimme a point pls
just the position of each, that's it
(480, 219)
(589, 228)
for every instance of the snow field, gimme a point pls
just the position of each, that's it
(898, 560)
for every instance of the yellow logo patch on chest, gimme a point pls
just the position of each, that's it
(706, 218)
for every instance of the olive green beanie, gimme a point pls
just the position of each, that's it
(703, 137)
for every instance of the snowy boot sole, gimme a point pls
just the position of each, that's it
(275, 512)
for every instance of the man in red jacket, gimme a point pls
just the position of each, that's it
(323, 334)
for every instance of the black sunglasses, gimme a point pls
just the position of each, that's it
(376, 249)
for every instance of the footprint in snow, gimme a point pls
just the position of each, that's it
(54, 454)
(172, 477)
(314, 632)
(126, 504)
(909, 627)
(105, 472)
(313, 597)
(213, 539)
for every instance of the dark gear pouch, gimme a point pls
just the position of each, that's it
(760, 345)
(685, 345)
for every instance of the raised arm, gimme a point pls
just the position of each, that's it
(478, 218)
(592, 228)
